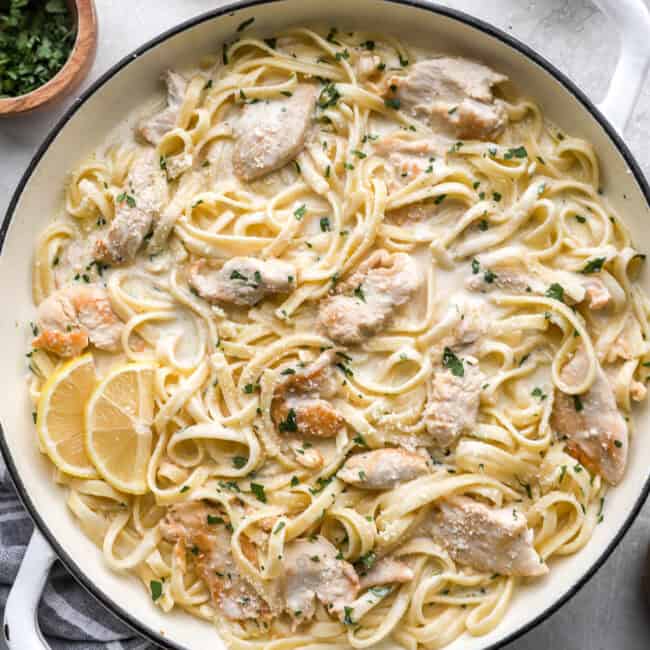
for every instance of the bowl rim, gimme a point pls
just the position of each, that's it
(232, 8)
(73, 70)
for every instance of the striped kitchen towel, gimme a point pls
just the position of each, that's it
(69, 617)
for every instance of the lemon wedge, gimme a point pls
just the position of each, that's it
(118, 426)
(60, 416)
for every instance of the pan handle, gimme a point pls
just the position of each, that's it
(632, 19)
(20, 629)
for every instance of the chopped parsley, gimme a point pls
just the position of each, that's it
(439, 199)
(595, 265)
(328, 96)
(299, 212)
(279, 527)
(475, 266)
(239, 461)
(156, 589)
(489, 276)
(347, 618)
(496, 196)
(580, 218)
(358, 292)
(483, 225)
(392, 102)
(453, 363)
(325, 224)
(515, 152)
(36, 39)
(555, 291)
(289, 424)
(294, 481)
(368, 560)
(577, 403)
(258, 490)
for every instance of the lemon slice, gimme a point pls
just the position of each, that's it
(60, 419)
(118, 426)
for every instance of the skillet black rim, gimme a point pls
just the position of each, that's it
(462, 17)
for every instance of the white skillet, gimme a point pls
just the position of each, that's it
(132, 82)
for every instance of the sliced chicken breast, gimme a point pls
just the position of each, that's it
(365, 303)
(454, 403)
(312, 571)
(201, 529)
(453, 95)
(382, 469)
(386, 571)
(73, 317)
(154, 128)
(497, 540)
(272, 133)
(300, 403)
(242, 281)
(137, 207)
(596, 432)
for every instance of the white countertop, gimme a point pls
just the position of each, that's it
(610, 612)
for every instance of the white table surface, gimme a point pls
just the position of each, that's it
(610, 612)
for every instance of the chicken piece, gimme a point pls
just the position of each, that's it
(382, 469)
(495, 540)
(409, 157)
(272, 133)
(453, 95)
(364, 304)
(154, 128)
(137, 208)
(312, 571)
(242, 281)
(454, 403)
(388, 570)
(512, 276)
(73, 317)
(596, 431)
(300, 403)
(188, 526)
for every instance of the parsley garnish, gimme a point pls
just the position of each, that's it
(258, 490)
(453, 363)
(577, 403)
(156, 589)
(392, 102)
(555, 291)
(595, 265)
(328, 96)
(516, 152)
(358, 292)
(239, 461)
(475, 266)
(299, 213)
(325, 224)
(289, 425)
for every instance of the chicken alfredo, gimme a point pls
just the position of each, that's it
(342, 344)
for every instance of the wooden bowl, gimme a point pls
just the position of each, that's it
(73, 70)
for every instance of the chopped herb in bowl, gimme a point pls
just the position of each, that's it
(36, 38)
